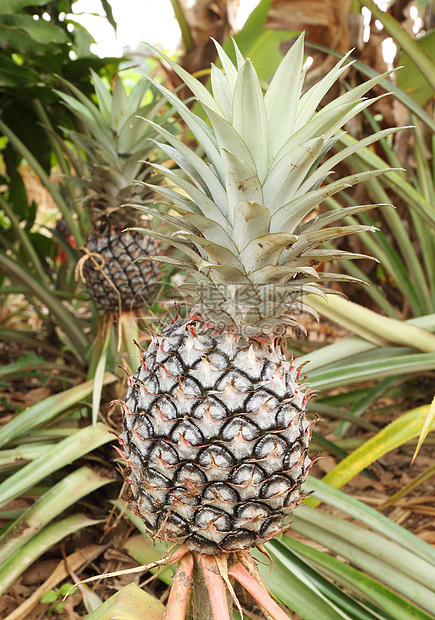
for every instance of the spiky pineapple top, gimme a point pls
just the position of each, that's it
(116, 142)
(243, 216)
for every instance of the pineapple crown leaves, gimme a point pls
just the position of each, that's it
(114, 140)
(264, 175)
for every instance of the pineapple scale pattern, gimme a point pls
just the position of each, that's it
(119, 257)
(215, 438)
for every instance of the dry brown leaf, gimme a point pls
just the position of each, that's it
(324, 21)
(35, 396)
(206, 18)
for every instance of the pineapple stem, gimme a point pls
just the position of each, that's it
(179, 595)
(257, 590)
(211, 598)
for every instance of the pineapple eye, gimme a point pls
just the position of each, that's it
(239, 427)
(242, 539)
(183, 496)
(274, 489)
(164, 407)
(272, 526)
(246, 473)
(220, 493)
(207, 516)
(162, 454)
(172, 525)
(190, 475)
(286, 417)
(270, 445)
(216, 456)
(210, 407)
(292, 458)
(259, 399)
(187, 431)
(253, 510)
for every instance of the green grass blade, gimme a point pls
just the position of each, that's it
(388, 86)
(347, 348)
(345, 602)
(387, 551)
(35, 165)
(394, 180)
(369, 370)
(372, 326)
(24, 241)
(62, 453)
(369, 397)
(304, 598)
(100, 374)
(130, 603)
(17, 457)
(47, 409)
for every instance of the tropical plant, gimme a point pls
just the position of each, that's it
(215, 434)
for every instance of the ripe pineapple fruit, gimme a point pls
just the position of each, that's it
(114, 141)
(215, 430)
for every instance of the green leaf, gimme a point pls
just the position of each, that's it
(47, 409)
(65, 493)
(289, 586)
(39, 30)
(374, 327)
(429, 423)
(375, 369)
(249, 117)
(39, 544)
(260, 44)
(62, 453)
(383, 559)
(398, 432)
(109, 13)
(49, 597)
(368, 516)
(282, 97)
(45, 179)
(13, 75)
(251, 220)
(360, 584)
(100, 377)
(130, 603)
(13, 6)
(409, 78)
(418, 55)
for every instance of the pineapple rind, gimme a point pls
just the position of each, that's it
(215, 438)
(120, 277)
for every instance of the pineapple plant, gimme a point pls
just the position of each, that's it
(115, 142)
(215, 433)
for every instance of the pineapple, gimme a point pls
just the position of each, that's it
(215, 434)
(114, 139)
